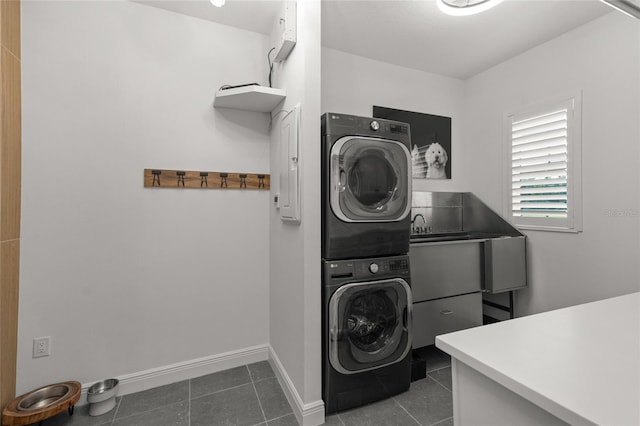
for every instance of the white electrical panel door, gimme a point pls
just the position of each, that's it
(289, 200)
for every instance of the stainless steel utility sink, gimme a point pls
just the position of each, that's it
(463, 243)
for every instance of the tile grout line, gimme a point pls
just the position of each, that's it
(279, 417)
(432, 378)
(263, 379)
(441, 421)
(221, 390)
(406, 411)
(257, 396)
(137, 413)
(115, 415)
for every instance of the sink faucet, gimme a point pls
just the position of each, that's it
(414, 229)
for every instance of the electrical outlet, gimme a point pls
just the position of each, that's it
(41, 346)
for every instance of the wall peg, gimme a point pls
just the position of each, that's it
(180, 174)
(203, 179)
(156, 177)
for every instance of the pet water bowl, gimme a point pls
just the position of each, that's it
(101, 397)
(41, 403)
(43, 397)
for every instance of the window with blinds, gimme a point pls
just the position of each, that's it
(543, 143)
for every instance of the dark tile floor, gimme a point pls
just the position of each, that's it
(250, 395)
(428, 402)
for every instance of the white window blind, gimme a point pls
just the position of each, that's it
(542, 190)
(539, 166)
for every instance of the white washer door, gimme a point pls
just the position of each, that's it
(370, 179)
(369, 325)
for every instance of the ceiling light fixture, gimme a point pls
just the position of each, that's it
(466, 7)
(625, 6)
(217, 3)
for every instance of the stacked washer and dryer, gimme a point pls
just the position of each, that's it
(366, 295)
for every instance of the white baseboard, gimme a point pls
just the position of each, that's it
(160, 376)
(311, 414)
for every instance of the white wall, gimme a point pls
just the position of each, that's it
(295, 329)
(353, 84)
(124, 278)
(601, 59)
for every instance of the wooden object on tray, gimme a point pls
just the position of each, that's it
(12, 415)
(162, 178)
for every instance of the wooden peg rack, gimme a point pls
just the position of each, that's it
(162, 178)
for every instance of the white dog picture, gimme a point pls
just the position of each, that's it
(429, 161)
(436, 158)
(430, 141)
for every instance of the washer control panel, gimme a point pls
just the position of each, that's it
(380, 267)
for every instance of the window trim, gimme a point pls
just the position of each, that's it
(573, 223)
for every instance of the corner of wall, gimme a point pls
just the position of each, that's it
(10, 194)
(295, 249)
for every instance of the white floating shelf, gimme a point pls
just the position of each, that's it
(249, 98)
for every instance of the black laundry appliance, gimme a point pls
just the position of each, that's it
(366, 330)
(366, 187)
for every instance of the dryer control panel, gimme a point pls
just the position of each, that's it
(345, 124)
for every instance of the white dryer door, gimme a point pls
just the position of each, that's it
(370, 179)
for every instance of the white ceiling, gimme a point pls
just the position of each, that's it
(253, 15)
(414, 33)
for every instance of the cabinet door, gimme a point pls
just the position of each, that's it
(505, 264)
(445, 269)
(446, 315)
